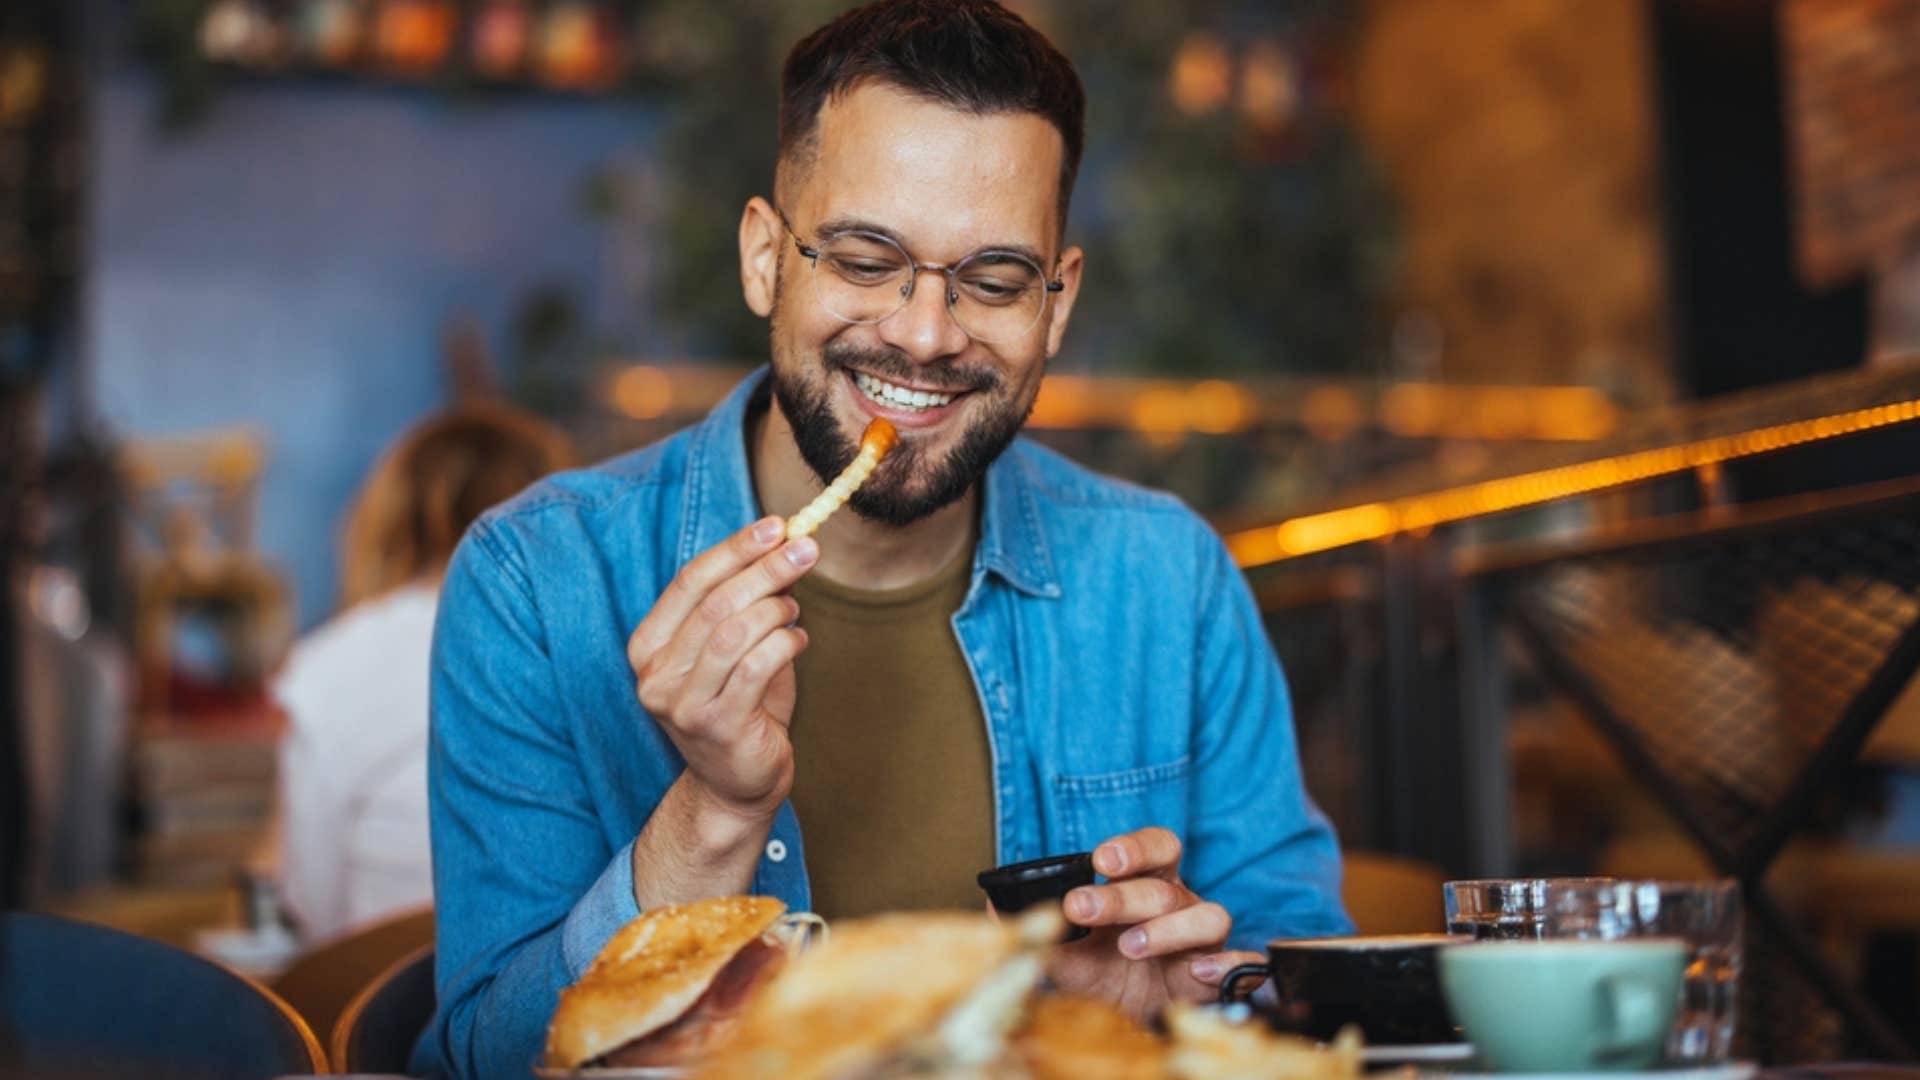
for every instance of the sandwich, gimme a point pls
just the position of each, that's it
(922, 995)
(1071, 1038)
(670, 984)
(1210, 1044)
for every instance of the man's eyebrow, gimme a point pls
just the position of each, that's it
(849, 226)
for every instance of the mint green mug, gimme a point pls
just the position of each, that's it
(1565, 1005)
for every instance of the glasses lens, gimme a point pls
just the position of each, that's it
(861, 279)
(998, 295)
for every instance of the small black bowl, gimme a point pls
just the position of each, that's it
(1018, 886)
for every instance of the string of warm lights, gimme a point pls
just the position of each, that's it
(1166, 410)
(1377, 520)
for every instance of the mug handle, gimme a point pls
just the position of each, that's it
(1636, 1014)
(1233, 977)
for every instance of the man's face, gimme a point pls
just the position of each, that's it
(943, 184)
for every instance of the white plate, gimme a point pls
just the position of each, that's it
(1732, 1070)
(638, 1073)
(1416, 1054)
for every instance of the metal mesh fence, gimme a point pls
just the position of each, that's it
(1730, 662)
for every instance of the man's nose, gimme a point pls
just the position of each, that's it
(924, 329)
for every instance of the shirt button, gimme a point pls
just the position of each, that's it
(777, 850)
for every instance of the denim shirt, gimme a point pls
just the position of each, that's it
(1123, 673)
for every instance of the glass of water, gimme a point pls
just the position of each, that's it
(1704, 914)
(1503, 909)
(1708, 915)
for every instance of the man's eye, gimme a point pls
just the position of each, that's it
(863, 270)
(994, 290)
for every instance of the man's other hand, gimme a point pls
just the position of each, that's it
(1153, 940)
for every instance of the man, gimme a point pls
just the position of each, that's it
(642, 693)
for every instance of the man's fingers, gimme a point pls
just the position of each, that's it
(771, 573)
(1210, 968)
(1151, 850)
(694, 581)
(747, 686)
(731, 641)
(1123, 903)
(1201, 926)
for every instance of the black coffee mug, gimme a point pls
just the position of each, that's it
(1388, 986)
(1018, 886)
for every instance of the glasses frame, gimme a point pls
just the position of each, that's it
(915, 268)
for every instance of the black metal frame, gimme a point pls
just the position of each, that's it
(1840, 748)
(13, 804)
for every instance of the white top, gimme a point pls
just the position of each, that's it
(353, 765)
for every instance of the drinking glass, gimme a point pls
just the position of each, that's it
(1704, 914)
(1503, 909)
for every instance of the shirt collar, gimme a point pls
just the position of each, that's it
(720, 500)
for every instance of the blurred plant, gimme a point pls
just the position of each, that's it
(548, 347)
(167, 33)
(723, 64)
(1231, 219)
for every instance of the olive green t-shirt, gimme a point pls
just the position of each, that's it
(892, 779)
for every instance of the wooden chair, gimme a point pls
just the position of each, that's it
(377, 1030)
(86, 1001)
(1387, 894)
(328, 976)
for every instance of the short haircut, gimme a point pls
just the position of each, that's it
(973, 55)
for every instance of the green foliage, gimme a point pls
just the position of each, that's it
(1213, 246)
(1208, 251)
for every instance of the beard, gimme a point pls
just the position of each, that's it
(908, 485)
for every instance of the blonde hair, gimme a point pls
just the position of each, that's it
(431, 484)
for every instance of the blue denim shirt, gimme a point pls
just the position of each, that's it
(1123, 674)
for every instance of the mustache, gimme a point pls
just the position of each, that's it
(893, 365)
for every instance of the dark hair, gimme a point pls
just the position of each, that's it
(971, 54)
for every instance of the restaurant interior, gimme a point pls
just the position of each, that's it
(1550, 368)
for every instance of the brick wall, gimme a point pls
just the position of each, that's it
(1853, 119)
(1519, 137)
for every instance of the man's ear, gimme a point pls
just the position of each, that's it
(762, 238)
(1072, 261)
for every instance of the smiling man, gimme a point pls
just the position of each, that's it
(643, 696)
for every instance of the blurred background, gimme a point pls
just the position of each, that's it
(1549, 366)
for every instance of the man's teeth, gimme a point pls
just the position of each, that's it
(898, 396)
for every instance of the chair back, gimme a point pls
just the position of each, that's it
(377, 1031)
(1388, 894)
(79, 1000)
(325, 978)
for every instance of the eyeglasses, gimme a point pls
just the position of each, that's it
(995, 295)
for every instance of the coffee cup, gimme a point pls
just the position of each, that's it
(1388, 986)
(1018, 886)
(1565, 1005)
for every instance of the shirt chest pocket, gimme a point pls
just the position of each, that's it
(1101, 806)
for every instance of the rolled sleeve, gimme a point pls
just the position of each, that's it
(607, 907)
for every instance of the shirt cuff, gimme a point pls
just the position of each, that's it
(607, 907)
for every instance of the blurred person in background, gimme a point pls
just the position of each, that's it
(353, 763)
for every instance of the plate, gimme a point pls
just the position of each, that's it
(1732, 1070)
(1416, 1054)
(638, 1073)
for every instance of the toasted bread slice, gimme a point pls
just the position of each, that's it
(1209, 1046)
(892, 995)
(1070, 1038)
(651, 972)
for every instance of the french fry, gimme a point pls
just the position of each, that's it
(874, 444)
